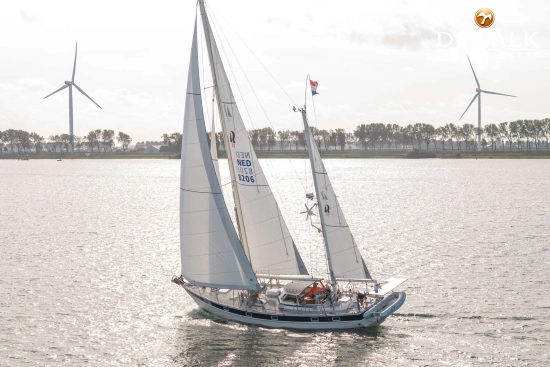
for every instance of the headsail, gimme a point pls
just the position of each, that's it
(264, 233)
(345, 260)
(211, 253)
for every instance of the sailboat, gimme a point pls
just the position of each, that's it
(251, 271)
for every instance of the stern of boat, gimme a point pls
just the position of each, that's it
(382, 310)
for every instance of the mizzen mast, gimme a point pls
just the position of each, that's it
(310, 146)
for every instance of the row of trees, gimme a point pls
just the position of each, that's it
(528, 134)
(172, 141)
(268, 139)
(520, 134)
(23, 141)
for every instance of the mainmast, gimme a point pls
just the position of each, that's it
(214, 141)
(238, 210)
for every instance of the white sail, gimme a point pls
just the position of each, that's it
(264, 233)
(345, 260)
(211, 253)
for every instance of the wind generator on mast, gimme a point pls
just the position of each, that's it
(70, 85)
(478, 96)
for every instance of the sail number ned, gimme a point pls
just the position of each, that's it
(244, 167)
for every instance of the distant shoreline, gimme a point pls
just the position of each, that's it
(302, 154)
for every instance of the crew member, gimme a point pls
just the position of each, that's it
(360, 298)
(315, 289)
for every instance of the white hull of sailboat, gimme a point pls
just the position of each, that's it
(304, 321)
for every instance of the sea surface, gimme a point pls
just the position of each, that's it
(88, 248)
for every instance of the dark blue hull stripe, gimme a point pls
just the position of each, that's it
(263, 316)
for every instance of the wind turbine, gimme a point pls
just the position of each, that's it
(70, 85)
(478, 96)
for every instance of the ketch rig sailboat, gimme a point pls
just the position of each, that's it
(254, 273)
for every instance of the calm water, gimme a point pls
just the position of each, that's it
(88, 249)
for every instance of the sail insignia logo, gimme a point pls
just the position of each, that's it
(484, 18)
(232, 137)
(228, 112)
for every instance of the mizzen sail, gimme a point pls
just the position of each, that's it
(345, 260)
(211, 253)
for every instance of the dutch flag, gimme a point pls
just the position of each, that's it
(313, 87)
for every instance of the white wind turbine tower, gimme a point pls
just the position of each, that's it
(70, 85)
(478, 96)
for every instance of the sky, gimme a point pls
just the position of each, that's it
(396, 62)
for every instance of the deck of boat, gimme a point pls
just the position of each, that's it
(233, 299)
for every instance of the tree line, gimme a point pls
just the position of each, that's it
(23, 141)
(519, 135)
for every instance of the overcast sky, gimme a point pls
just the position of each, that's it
(388, 62)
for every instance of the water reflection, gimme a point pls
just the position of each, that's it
(205, 339)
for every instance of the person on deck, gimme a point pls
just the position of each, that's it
(360, 298)
(315, 289)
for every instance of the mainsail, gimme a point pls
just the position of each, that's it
(345, 260)
(265, 236)
(211, 253)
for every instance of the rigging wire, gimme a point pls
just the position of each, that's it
(242, 69)
(219, 32)
(258, 59)
(246, 76)
(305, 185)
(314, 112)
(312, 263)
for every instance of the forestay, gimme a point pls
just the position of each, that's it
(267, 239)
(345, 260)
(211, 253)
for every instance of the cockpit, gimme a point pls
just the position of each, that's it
(299, 293)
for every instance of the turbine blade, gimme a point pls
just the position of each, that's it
(81, 91)
(498, 94)
(63, 87)
(468, 107)
(477, 82)
(74, 67)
